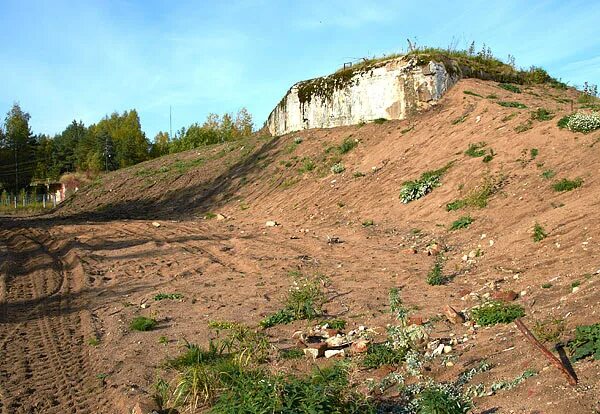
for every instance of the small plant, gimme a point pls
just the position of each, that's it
(564, 121)
(494, 312)
(142, 324)
(538, 233)
(584, 122)
(567, 185)
(338, 168)
(413, 190)
(546, 285)
(335, 323)
(476, 150)
(533, 153)
(489, 157)
(163, 340)
(460, 119)
(307, 165)
(492, 96)
(462, 223)
(455, 205)
(93, 341)
(438, 400)
(291, 353)
(575, 284)
(542, 114)
(509, 117)
(171, 296)
(436, 276)
(379, 121)
(347, 145)
(548, 174)
(525, 126)
(209, 216)
(512, 104)
(368, 223)
(472, 93)
(549, 330)
(586, 342)
(382, 354)
(509, 87)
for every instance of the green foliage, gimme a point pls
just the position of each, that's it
(307, 165)
(492, 96)
(546, 285)
(512, 104)
(548, 174)
(368, 223)
(549, 330)
(17, 147)
(586, 342)
(510, 87)
(382, 354)
(584, 122)
(538, 233)
(141, 323)
(437, 400)
(489, 157)
(542, 114)
(291, 353)
(436, 277)
(564, 121)
(455, 205)
(461, 223)
(338, 168)
(467, 92)
(171, 296)
(380, 121)
(347, 145)
(476, 150)
(304, 300)
(335, 323)
(567, 185)
(525, 126)
(533, 153)
(575, 284)
(494, 312)
(413, 190)
(93, 341)
(460, 119)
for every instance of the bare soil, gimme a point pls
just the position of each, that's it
(86, 270)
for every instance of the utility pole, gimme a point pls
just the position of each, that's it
(16, 168)
(170, 123)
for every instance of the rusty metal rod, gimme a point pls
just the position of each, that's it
(555, 361)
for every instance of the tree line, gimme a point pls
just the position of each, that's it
(116, 141)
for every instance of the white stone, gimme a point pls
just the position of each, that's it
(156, 224)
(447, 349)
(271, 223)
(333, 352)
(391, 89)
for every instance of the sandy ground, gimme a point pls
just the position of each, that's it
(85, 271)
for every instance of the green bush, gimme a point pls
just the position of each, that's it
(461, 223)
(567, 185)
(542, 114)
(439, 400)
(436, 277)
(584, 122)
(510, 87)
(494, 312)
(413, 190)
(476, 150)
(171, 296)
(538, 233)
(347, 145)
(586, 342)
(380, 121)
(548, 174)
(338, 168)
(382, 354)
(472, 93)
(141, 323)
(564, 121)
(512, 104)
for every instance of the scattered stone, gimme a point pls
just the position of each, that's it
(449, 364)
(319, 347)
(439, 350)
(447, 349)
(453, 316)
(314, 353)
(360, 346)
(575, 289)
(221, 217)
(144, 305)
(433, 249)
(271, 223)
(334, 352)
(505, 296)
(472, 254)
(156, 224)
(409, 251)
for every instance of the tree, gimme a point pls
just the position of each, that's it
(243, 123)
(68, 153)
(160, 146)
(17, 150)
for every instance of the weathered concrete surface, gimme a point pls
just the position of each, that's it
(390, 89)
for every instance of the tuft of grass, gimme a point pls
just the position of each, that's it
(538, 233)
(478, 196)
(291, 353)
(510, 87)
(509, 117)
(142, 324)
(413, 190)
(548, 330)
(564, 121)
(380, 121)
(533, 153)
(476, 149)
(382, 354)
(436, 277)
(210, 215)
(548, 174)
(358, 174)
(171, 296)
(307, 165)
(567, 185)
(512, 104)
(93, 341)
(494, 312)
(492, 96)
(455, 205)
(525, 126)
(335, 323)
(337, 168)
(575, 284)
(546, 285)
(347, 145)
(440, 400)
(368, 223)
(462, 223)
(467, 92)
(542, 114)
(460, 119)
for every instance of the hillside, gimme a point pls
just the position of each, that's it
(194, 223)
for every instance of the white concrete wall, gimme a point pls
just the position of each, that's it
(391, 90)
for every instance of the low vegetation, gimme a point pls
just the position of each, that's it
(583, 122)
(461, 223)
(413, 190)
(494, 312)
(567, 185)
(436, 277)
(512, 104)
(142, 324)
(539, 233)
(171, 296)
(510, 87)
(549, 330)
(542, 114)
(479, 195)
(476, 150)
(586, 342)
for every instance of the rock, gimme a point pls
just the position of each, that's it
(409, 251)
(447, 349)
(271, 223)
(337, 341)
(329, 332)
(438, 350)
(472, 254)
(575, 289)
(360, 346)
(453, 316)
(505, 296)
(145, 406)
(415, 320)
(144, 306)
(314, 353)
(334, 352)
(449, 364)
(156, 224)
(221, 217)
(319, 347)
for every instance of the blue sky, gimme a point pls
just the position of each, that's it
(84, 59)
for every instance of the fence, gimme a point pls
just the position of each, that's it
(27, 200)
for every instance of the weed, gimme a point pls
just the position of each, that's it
(307, 165)
(455, 205)
(435, 277)
(492, 96)
(382, 354)
(508, 385)
(163, 340)
(494, 312)
(171, 296)
(460, 119)
(93, 341)
(404, 131)
(358, 174)
(512, 104)
(380, 121)
(476, 150)
(368, 223)
(304, 300)
(291, 353)
(141, 323)
(509, 117)
(533, 153)
(489, 157)
(548, 174)
(586, 342)
(542, 114)
(567, 185)
(337, 168)
(472, 93)
(437, 400)
(549, 330)
(347, 145)
(462, 223)
(209, 216)
(538, 233)
(509, 87)
(241, 339)
(413, 190)
(575, 284)
(546, 285)
(584, 122)
(564, 121)
(335, 323)
(525, 126)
